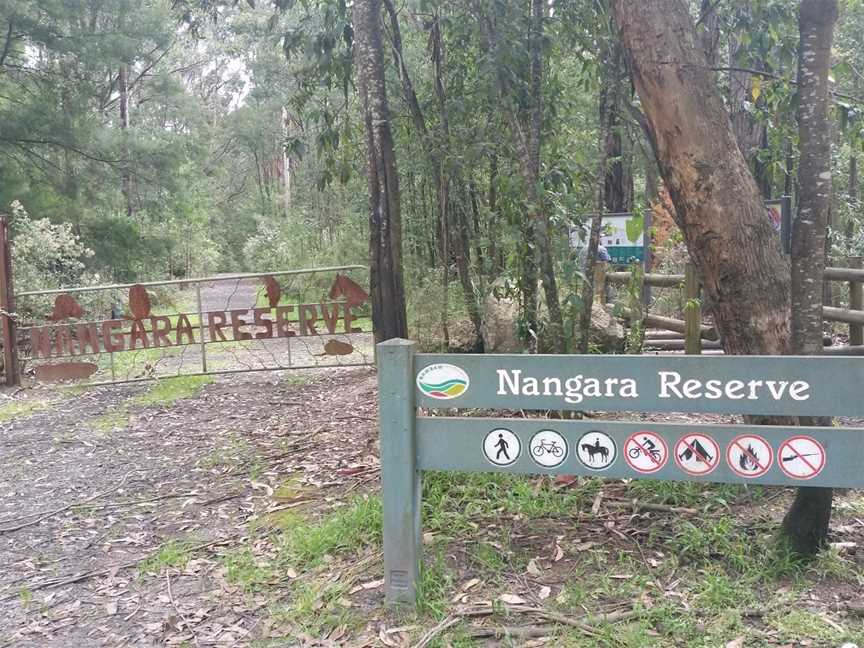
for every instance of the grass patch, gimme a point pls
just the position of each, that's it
(112, 419)
(243, 569)
(174, 553)
(167, 391)
(20, 409)
(689, 494)
(347, 529)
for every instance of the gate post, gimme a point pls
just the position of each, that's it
(7, 307)
(400, 479)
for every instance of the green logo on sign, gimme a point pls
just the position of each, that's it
(443, 381)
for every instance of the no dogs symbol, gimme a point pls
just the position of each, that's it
(596, 450)
(697, 454)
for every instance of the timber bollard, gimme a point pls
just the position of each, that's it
(856, 302)
(692, 312)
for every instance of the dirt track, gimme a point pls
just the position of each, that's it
(78, 501)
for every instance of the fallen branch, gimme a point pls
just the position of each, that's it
(62, 509)
(448, 622)
(584, 624)
(182, 616)
(60, 582)
(636, 505)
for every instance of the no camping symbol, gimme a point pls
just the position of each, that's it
(801, 457)
(697, 454)
(749, 455)
(646, 452)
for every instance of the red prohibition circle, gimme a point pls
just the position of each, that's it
(658, 464)
(711, 467)
(786, 443)
(734, 443)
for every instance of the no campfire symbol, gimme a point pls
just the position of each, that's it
(697, 454)
(596, 450)
(801, 457)
(749, 455)
(646, 452)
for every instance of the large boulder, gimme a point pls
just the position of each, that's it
(606, 332)
(500, 317)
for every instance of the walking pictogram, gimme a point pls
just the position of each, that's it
(749, 455)
(548, 448)
(801, 457)
(596, 450)
(646, 452)
(502, 447)
(697, 454)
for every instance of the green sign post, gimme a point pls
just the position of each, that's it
(757, 385)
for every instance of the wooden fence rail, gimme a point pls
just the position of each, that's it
(694, 331)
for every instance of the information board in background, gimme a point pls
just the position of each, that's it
(604, 446)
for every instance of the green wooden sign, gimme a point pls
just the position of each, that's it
(774, 455)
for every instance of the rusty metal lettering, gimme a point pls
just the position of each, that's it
(274, 291)
(349, 317)
(263, 322)
(40, 341)
(63, 343)
(237, 322)
(65, 306)
(184, 327)
(138, 333)
(139, 302)
(308, 317)
(215, 322)
(88, 336)
(65, 371)
(160, 335)
(283, 327)
(330, 318)
(113, 341)
(338, 348)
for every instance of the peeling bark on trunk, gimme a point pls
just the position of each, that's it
(806, 522)
(385, 227)
(717, 203)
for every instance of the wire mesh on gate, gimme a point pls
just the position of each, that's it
(295, 319)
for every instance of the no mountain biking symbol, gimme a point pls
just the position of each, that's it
(646, 452)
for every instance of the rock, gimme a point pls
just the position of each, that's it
(606, 332)
(500, 317)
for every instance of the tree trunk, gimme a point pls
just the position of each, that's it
(530, 158)
(852, 191)
(606, 97)
(435, 150)
(126, 171)
(806, 522)
(717, 203)
(385, 227)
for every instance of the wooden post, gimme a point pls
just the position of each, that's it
(600, 282)
(692, 312)
(7, 306)
(856, 302)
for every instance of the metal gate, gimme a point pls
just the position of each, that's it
(292, 319)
